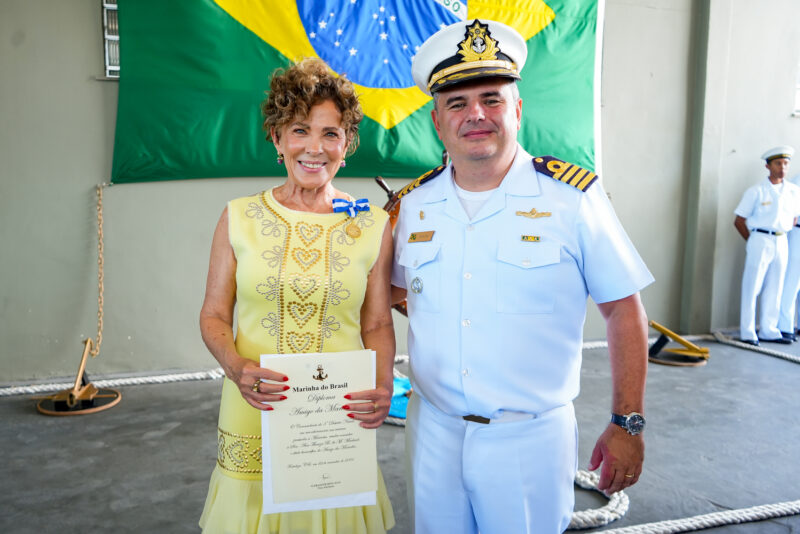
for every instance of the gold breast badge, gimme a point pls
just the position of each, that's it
(533, 214)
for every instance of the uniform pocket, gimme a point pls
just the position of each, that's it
(527, 280)
(423, 275)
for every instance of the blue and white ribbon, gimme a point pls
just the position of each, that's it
(340, 205)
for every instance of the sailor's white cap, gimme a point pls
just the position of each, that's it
(466, 51)
(782, 151)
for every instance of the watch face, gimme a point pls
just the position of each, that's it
(635, 423)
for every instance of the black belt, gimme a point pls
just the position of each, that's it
(770, 232)
(477, 419)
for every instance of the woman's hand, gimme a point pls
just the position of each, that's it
(371, 408)
(257, 385)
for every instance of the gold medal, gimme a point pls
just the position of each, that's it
(353, 230)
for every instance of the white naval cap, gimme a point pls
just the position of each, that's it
(466, 51)
(778, 152)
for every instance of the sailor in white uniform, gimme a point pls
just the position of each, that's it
(767, 211)
(787, 323)
(497, 254)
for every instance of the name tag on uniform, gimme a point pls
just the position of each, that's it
(420, 237)
(767, 203)
(531, 238)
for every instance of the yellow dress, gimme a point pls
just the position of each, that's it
(300, 284)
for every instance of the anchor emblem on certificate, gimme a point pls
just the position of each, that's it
(320, 375)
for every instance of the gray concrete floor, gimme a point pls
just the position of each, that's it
(719, 437)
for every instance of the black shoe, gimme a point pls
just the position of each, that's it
(779, 341)
(790, 337)
(750, 342)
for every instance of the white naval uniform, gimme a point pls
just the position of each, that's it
(766, 208)
(495, 330)
(791, 282)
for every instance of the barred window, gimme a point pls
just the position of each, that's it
(111, 38)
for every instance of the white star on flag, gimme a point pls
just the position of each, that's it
(353, 51)
(384, 35)
(323, 24)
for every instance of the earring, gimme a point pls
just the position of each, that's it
(280, 158)
(343, 164)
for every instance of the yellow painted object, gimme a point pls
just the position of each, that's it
(83, 398)
(690, 356)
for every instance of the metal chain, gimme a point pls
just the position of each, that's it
(100, 260)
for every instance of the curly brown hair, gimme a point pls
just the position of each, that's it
(295, 90)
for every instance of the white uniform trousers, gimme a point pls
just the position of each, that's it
(465, 477)
(764, 271)
(791, 285)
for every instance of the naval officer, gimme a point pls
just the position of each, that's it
(767, 211)
(496, 254)
(791, 284)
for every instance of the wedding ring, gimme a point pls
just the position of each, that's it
(374, 406)
(255, 386)
(629, 476)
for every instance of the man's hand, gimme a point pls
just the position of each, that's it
(620, 455)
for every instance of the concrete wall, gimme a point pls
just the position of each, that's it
(56, 139)
(763, 57)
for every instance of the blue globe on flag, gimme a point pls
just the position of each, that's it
(373, 42)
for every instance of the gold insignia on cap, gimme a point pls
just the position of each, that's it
(478, 44)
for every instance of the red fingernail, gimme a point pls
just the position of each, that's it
(351, 416)
(283, 397)
(269, 408)
(347, 396)
(346, 407)
(285, 378)
(286, 387)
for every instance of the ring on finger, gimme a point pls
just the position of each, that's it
(374, 406)
(631, 475)
(255, 386)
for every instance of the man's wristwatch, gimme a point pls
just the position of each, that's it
(633, 422)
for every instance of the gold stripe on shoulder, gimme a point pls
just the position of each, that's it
(430, 175)
(570, 174)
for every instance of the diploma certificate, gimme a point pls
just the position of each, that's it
(314, 456)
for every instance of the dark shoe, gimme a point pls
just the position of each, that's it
(790, 337)
(750, 342)
(779, 341)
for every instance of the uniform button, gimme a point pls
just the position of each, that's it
(466, 322)
(526, 262)
(468, 276)
(465, 372)
(470, 228)
(416, 263)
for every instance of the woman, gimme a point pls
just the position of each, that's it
(303, 278)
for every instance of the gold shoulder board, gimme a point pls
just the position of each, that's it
(430, 175)
(562, 171)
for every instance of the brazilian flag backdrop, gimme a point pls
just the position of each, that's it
(193, 74)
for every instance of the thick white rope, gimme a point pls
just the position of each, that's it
(603, 344)
(722, 338)
(715, 519)
(597, 517)
(211, 374)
